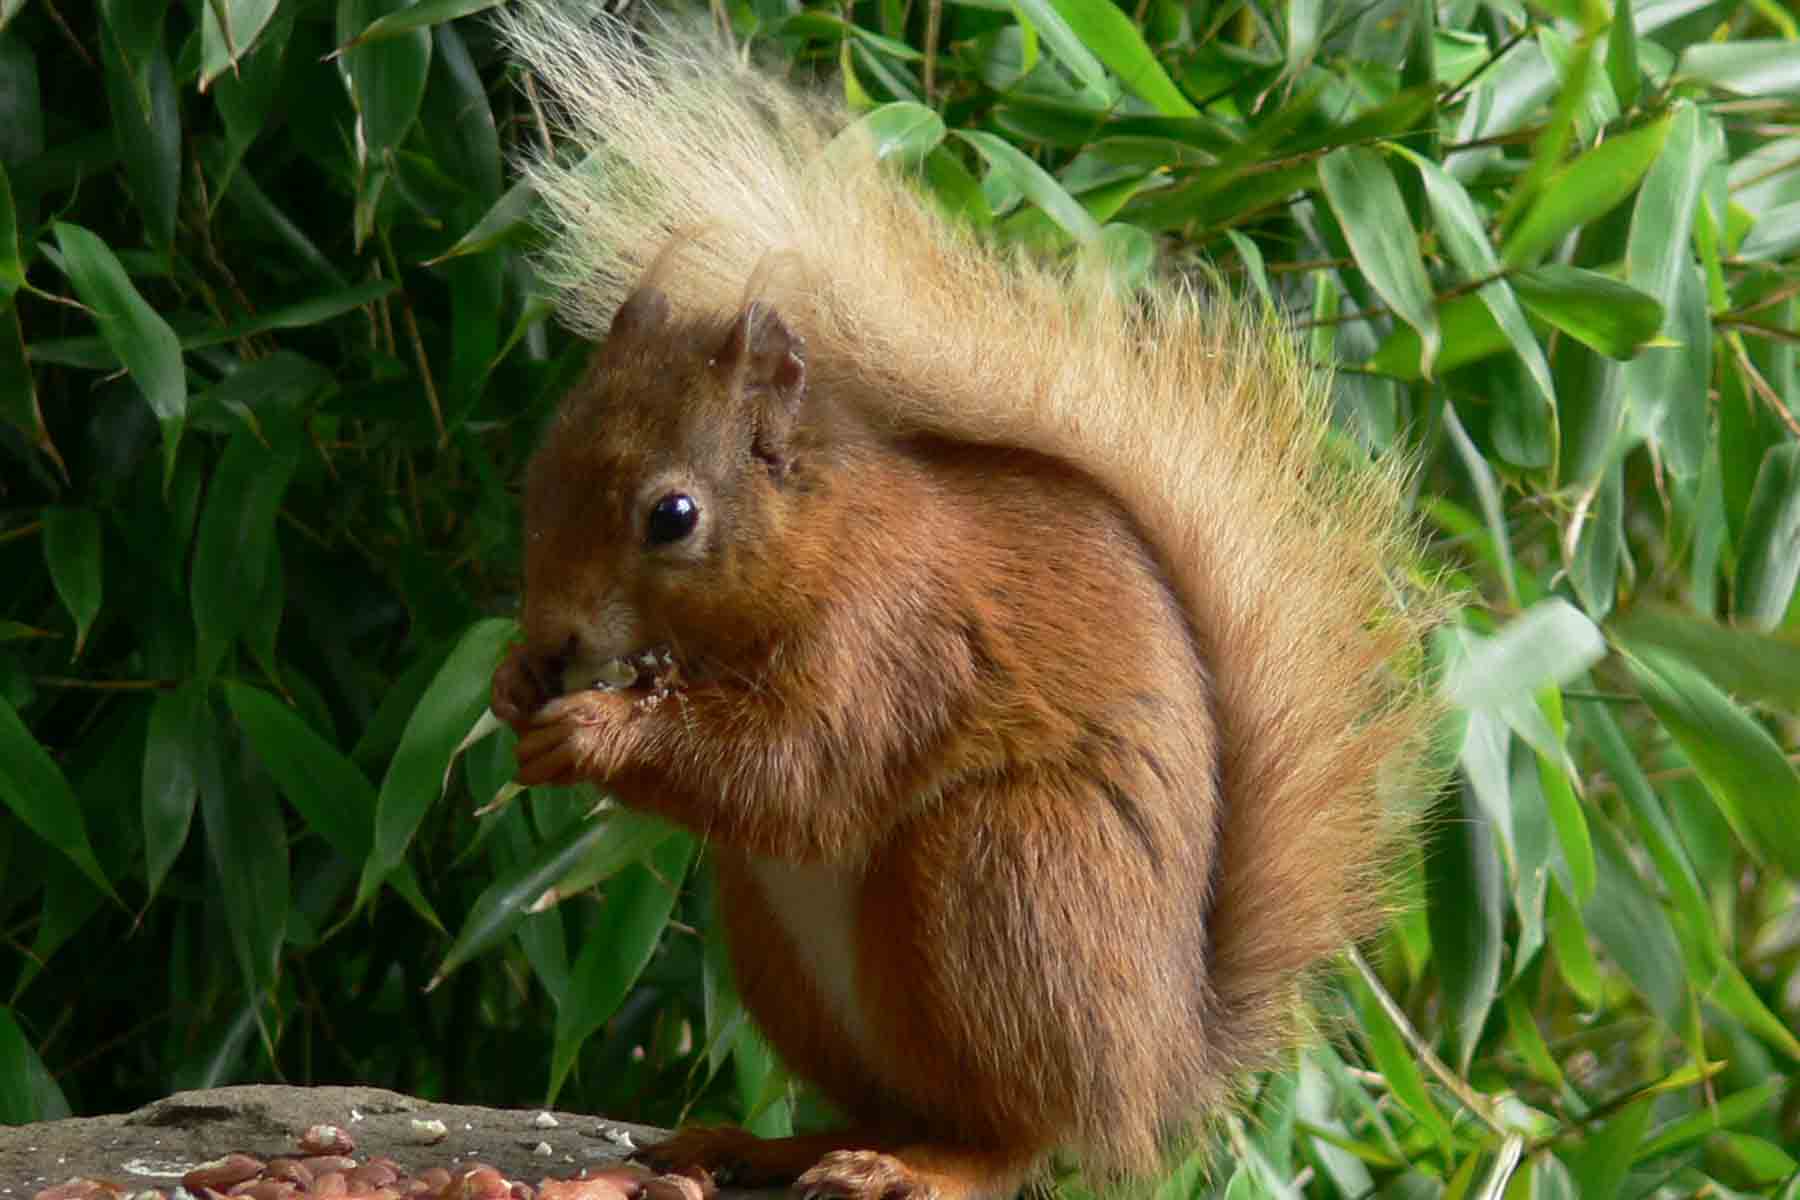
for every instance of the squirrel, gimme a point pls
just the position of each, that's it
(1039, 668)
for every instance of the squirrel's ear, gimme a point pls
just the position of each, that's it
(643, 313)
(765, 362)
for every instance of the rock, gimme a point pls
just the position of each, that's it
(155, 1146)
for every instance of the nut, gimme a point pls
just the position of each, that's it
(221, 1174)
(326, 1139)
(592, 1188)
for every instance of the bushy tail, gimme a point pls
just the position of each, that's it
(1290, 551)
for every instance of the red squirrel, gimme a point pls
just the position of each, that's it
(1038, 670)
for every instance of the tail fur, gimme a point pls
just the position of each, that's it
(1293, 558)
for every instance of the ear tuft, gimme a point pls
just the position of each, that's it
(765, 362)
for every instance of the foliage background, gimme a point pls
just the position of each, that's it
(271, 358)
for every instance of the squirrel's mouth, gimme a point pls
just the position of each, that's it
(639, 671)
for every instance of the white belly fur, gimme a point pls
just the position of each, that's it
(816, 907)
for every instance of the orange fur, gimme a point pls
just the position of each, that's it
(1043, 675)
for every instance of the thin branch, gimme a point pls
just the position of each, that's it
(1472, 1100)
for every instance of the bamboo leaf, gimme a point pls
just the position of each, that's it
(451, 703)
(72, 552)
(1744, 770)
(1756, 665)
(140, 338)
(228, 31)
(28, 1092)
(171, 776)
(641, 899)
(1584, 191)
(1547, 645)
(1769, 550)
(1370, 209)
(1614, 318)
(387, 76)
(421, 15)
(1747, 67)
(1467, 939)
(1036, 184)
(587, 853)
(34, 788)
(1110, 34)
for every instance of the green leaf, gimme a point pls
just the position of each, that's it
(1564, 809)
(1108, 32)
(21, 108)
(1397, 1062)
(1661, 380)
(1612, 317)
(1584, 191)
(456, 697)
(1756, 665)
(72, 552)
(1037, 185)
(1776, 235)
(18, 389)
(418, 16)
(1487, 492)
(1601, 1163)
(247, 845)
(1372, 213)
(509, 219)
(1044, 17)
(146, 113)
(1732, 1110)
(12, 263)
(387, 77)
(1529, 1042)
(1462, 874)
(1569, 940)
(28, 1092)
(228, 31)
(902, 131)
(639, 903)
(1467, 332)
(34, 788)
(245, 92)
(1622, 56)
(1600, 548)
(171, 778)
(280, 383)
(237, 531)
(1769, 550)
(1743, 768)
(1466, 240)
(1628, 923)
(324, 786)
(314, 310)
(142, 340)
(1746, 67)
(1545, 646)
(598, 848)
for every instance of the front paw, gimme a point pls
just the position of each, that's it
(519, 689)
(862, 1175)
(724, 1152)
(572, 738)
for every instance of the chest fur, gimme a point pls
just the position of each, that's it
(816, 907)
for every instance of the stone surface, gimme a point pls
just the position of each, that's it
(154, 1146)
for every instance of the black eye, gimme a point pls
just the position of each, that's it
(671, 519)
